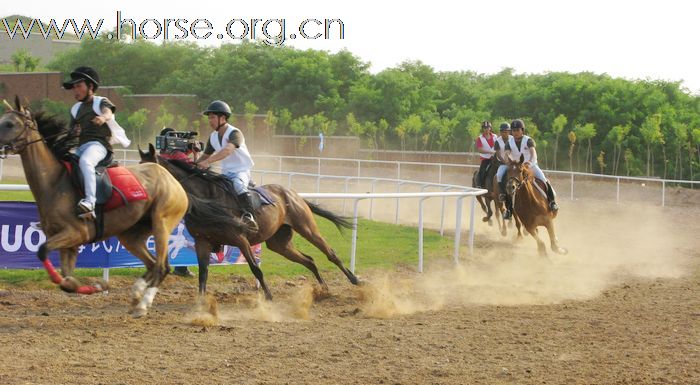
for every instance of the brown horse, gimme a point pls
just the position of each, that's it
(276, 222)
(530, 207)
(30, 136)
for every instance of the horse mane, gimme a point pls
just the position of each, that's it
(212, 177)
(55, 132)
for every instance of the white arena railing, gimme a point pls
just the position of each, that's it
(357, 197)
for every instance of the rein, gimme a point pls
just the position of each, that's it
(26, 117)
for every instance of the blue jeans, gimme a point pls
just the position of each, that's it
(240, 181)
(90, 153)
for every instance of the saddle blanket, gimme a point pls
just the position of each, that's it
(115, 188)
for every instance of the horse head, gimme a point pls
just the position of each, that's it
(17, 129)
(150, 156)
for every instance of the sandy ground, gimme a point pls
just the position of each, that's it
(623, 307)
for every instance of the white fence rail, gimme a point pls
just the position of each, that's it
(357, 197)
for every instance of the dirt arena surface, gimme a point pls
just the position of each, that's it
(623, 307)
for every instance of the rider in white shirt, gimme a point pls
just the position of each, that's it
(499, 147)
(227, 144)
(484, 144)
(521, 144)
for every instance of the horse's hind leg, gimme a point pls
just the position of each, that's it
(310, 232)
(134, 240)
(281, 243)
(203, 249)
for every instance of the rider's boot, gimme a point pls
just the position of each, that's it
(86, 209)
(246, 203)
(502, 191)
(553, 206)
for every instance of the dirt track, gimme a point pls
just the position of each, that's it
(622, 308)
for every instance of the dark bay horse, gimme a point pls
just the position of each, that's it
(33, 137)
(530, 207)
(276, 222)
(491, 196)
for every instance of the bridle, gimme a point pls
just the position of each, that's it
(518, 183)
(29, 124)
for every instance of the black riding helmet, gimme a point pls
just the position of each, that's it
(517, 123)
(80, 74)
(505, 126)
(218, 107)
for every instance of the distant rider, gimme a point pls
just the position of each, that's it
(484, 144)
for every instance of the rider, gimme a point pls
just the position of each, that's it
(227, 144)
(521, 144)
(500, 147)
(484, 144)
(92, 120)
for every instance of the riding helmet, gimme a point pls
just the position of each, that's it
(218, 107)
(86, 74)
(517, 123)
(505, 126)
(485, 124)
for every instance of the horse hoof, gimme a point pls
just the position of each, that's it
(562, 251)
(139, 312)
(485, 219)
(490, 222)
(69, 285)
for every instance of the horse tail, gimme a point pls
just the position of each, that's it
(337, 220)
(207, 212)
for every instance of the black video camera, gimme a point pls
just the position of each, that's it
(171, 140)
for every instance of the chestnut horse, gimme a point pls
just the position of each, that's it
(276, 222)
(33, 137)
(530, 207)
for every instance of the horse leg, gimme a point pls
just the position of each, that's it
(499, 217)
(281, 243)
(541, 248)
(244, 246)
(203, 249)
(310, 232)
(489, 212)
(66, 242)
(134, 240)
(480, 199)
(518, 225)
(554, 242)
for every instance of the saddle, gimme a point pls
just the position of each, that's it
(116, 185)
(259, 196)
(540, 186)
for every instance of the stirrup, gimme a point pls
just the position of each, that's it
(86, 210)
(553, 206)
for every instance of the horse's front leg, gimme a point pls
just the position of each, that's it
(65, 241)
(203, 249)
(554, 242)
(541, 248)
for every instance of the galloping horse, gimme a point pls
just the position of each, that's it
(276, 222)
(530, 207)
(491, 196)
(33, 137)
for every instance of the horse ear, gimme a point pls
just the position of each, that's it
(141, 153)
(18, 104)
(522, 158)
(151, 150)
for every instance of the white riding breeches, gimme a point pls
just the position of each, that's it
(502, 169)
(90, 153)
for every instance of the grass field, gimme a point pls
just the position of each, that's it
(379, 246)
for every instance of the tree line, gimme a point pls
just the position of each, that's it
(582, 122)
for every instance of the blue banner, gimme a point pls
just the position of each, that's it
(20, 238)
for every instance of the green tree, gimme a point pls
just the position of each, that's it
(651, 134)
(136, 122)
(572, 144)
(586, 132)
(249, 111)
(558, 126)
(23, 61)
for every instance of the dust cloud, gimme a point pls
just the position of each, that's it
(294, 308)
(608, 245)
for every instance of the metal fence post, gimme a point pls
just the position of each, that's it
(371, 201)
(617, 200)
(353, 245)
(398, 190)
(420, 235)
(572, 186)
(442, 213)
(471, 226)
(663, 193)
(458, 228)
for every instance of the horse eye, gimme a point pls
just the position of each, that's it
(6, 125)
